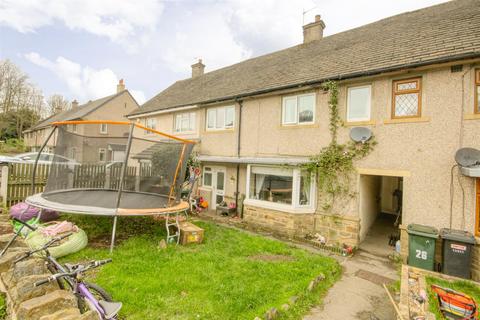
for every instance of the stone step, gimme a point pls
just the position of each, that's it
(24, 290)
(69, 313)
(50, 303)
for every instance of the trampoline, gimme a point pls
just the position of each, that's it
(114, 168)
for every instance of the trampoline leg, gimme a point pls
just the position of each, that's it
(168, 225)
(112, 242)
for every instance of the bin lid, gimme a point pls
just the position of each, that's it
(457, 235)
(421, 230)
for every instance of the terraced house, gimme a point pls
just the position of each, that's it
(412, 79)
(112, 107)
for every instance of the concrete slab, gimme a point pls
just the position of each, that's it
(358, 294)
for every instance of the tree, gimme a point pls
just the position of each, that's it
(21, 103)
(57, 103)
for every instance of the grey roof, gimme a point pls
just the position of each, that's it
(445, 32)
(76, 113)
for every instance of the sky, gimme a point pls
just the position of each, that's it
(81, 48)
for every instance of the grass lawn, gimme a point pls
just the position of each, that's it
(462, 286)
(3, 307)
(232, 275)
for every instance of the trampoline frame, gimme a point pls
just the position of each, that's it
(175, 205)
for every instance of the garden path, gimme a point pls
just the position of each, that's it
(359, 294)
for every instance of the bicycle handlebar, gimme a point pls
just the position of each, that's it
(44, 247)
(80, 269)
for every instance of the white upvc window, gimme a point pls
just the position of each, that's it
(280, 188)
(103, 128)
(359, 103)
(299, 109)
(102, 154)
(220, 118)
(207, 177)
(150, 123)
(74, 128)
(185, 122)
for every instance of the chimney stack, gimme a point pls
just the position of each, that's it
(74, 104)
(120, 86)
(313, 31)
(198, 69)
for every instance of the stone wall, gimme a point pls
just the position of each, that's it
(24, 301)
(336, 229)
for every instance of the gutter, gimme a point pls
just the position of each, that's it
(168, 110)
(353, 75)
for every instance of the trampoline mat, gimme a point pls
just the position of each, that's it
(103, 202)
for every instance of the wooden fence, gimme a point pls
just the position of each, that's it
(16, 179)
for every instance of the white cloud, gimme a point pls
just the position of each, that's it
(84, 83)
(119, 20)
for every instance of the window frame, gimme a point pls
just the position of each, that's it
(101, 128)
(477, 208)
(418, 91)
(297, 98)
(74, 128)
(210, 171)
(100, 152)
(149, 126)
(216, 110)
(476, 87)
(295, 207)
(369, 86)
(192, 123)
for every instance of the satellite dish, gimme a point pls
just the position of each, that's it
(360, 134)
(467, 157)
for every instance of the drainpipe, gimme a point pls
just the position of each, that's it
(240, 104)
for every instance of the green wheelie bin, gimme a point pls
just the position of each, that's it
(421, 246)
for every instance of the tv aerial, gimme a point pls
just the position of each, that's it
(360, 134)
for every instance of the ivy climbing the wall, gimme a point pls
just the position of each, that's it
(334, 164)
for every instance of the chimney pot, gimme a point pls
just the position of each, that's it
(120, 86)
(314, 30)
(198, 69)
(74, 104)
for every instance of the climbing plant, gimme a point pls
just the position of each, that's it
(334, 163)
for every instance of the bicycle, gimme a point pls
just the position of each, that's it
(101, 304)
(90, 296)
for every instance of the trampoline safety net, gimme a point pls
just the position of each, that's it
(108, 165)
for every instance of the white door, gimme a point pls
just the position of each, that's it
(218, 186)
(215, 178)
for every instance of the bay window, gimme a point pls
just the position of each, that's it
(299, 109)
(280, 188)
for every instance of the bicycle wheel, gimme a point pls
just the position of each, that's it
(98, 292)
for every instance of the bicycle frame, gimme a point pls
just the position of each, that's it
(82, 290)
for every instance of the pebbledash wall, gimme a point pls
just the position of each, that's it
(420, 150)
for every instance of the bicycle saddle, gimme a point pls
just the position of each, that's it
(111, 308)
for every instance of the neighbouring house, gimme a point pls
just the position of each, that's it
(413, 79)
(113, 108)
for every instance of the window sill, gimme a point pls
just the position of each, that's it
(472, 116)
(298, 126)
(276, 206)
(360, 123)
(406, 120)
(219, 131)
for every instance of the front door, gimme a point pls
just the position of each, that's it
(218, 185)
